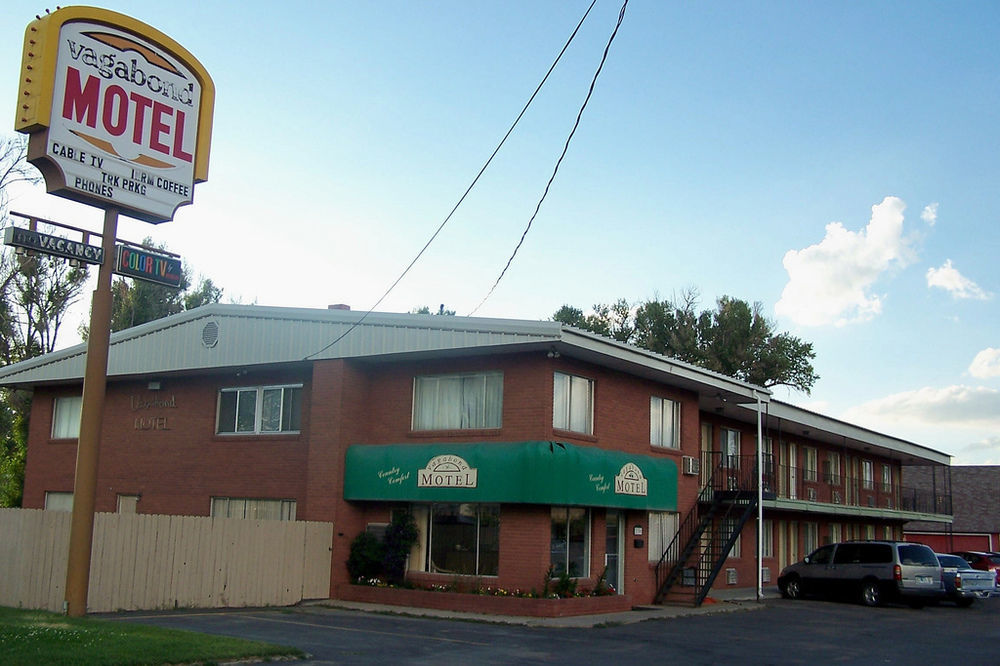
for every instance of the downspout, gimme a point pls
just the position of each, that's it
(760, 500)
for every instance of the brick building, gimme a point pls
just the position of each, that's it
(975, 492)
(517, 445)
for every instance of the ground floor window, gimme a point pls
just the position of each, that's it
(570, 542)
(464, 539)
(810, 537)
(256, 509)
(58, 501)
(662, 530)
(767, 538)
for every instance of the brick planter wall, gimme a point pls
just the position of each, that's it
(478, 603)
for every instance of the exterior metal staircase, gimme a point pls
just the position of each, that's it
(693, 560)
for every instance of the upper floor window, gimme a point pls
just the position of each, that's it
(453, 402)
(886, 478)
(664, 422)
(867, 475)
(58, 501)
(257, 410)
(730, 441)
(831, 468)
(66, 417)
(573, 403)
(811, 460)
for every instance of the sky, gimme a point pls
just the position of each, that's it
(835, 161)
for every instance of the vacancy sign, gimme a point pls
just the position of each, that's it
(119, 114)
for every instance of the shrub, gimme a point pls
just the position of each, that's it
(365, 559)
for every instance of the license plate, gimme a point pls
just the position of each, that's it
(924, 580)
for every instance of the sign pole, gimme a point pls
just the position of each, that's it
(95, 380)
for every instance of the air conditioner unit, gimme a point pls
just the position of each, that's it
(811, 494)
(691, 465)
(837, 497)
(871, 501)
(765, 574)
(731, 576)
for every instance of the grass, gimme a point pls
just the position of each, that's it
(29, 637)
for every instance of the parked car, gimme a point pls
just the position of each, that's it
(962, 583)
(870, 571)
(982, 560)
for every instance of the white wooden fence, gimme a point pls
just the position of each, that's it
(146, 562)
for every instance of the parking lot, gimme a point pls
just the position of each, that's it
(782, 632)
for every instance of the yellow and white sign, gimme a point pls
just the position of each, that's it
(119, 114)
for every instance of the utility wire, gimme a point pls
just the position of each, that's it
(621, 17)
(468, 189)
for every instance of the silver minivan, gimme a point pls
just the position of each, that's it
(870, 571)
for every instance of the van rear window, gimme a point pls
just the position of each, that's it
(876, 553)
(916, 554)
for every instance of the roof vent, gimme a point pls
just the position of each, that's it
(338, 306)
(210, 335)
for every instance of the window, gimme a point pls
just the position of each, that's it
(570, 543)
(58, 501)
(66, 417)
(836, 533)
(662, 530)
(767, 538)
(729, 526)
(731, 448)
(254, 509)
(809, 473)
(831, 469)
(573, 403)
(464, 539)
(260, 410)
(867, 475)
(886, 478)
(664, 423)
(128, 503)
(453, 402)
(810, 536)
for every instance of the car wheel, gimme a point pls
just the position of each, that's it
(871, 593)
(964, 602)
(793, 588)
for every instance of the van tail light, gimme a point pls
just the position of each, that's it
(897, 573)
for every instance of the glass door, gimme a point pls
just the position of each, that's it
(613, 542)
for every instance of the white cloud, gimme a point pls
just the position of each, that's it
(831, 282)
(953, 407)
(948, 278)
(929, 214)
(986, 364)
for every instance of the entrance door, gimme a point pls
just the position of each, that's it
(613, 542)
(793, 471)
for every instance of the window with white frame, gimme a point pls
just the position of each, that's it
(253, 508)
(730, 441)
(66, 417)
(570, 542)
(573, 403)
(260, 410)
(664, 423)
(867, 475)
(767, 538)
(662, 530)
(58, 501)
(458, 402)
(886, 478)
(836, 533)
(811, 463)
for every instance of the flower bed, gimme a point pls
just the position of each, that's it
(486, 604)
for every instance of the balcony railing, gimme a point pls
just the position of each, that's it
(837, 488)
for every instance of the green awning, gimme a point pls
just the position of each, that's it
(510, 472)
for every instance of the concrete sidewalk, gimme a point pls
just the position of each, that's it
(725, 601)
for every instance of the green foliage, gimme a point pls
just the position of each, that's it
(365, 559)
(734, 339)
(426, 310)
(400, 536)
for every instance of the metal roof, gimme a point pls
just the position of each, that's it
(225, 336)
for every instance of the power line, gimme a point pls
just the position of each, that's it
(468, 189)
(621, 17)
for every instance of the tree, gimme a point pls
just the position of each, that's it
(36, 292)
(735, 339)
(426, 310)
